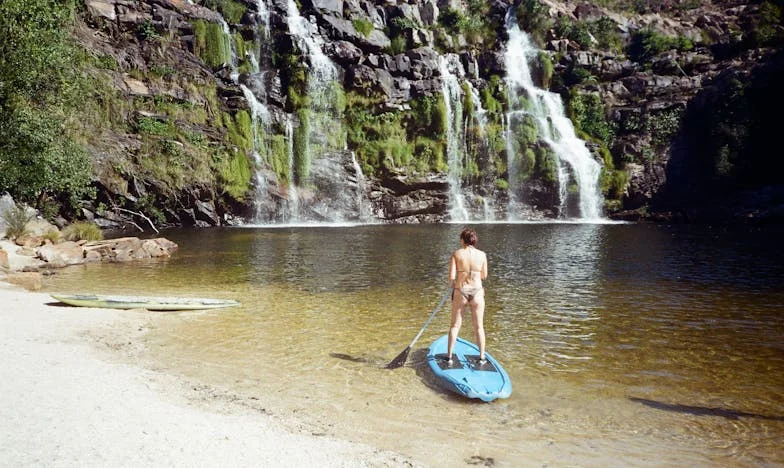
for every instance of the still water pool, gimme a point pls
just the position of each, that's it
(626, 344)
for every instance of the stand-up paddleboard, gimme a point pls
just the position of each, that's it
(141, 302)
(466, 376)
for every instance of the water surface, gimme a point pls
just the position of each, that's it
(632, 344)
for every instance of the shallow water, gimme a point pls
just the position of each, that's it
(626, 344)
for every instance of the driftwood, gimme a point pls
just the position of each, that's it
(149, 221)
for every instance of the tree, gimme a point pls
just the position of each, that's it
(39, 85)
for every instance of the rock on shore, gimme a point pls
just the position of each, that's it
(24, 264)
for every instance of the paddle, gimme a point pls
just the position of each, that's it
(401, 358)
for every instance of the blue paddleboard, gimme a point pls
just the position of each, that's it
(465, 375)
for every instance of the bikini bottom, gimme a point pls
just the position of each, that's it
(468, 292)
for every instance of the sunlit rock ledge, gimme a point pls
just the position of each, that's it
(25, 265)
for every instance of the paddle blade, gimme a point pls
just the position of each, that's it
(400, 359)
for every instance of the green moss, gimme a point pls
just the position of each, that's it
(613, 183)
(546, 165)
(239, 129)
(363, 26)
(501, 184)
(235, 174)
(398, 45)
(301, 147)
(211, 44)
(545, 69)
(278, 157)
(232, 11)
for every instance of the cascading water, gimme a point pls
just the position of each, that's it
(322, 82)
(263, 14)
(260, 115)
(450, 88)
(527, 101)
(479, 123)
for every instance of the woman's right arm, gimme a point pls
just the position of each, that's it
(452, 270)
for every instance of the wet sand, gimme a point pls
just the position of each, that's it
(71, 395)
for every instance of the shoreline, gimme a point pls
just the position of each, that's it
(73, 395)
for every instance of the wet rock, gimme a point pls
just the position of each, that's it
(343, 52)
(205, 211)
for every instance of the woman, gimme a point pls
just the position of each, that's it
(467, 269)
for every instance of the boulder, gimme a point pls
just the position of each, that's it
(205, 211)
(343, 52)
(344, 29)
(32, 281)
(4, 263)
(101, 9)
(40, 227)
(428, 12)
(329, 6)
(61, 255)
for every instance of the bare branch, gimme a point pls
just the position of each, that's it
(140, 215)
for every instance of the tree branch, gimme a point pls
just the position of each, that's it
(140, 215)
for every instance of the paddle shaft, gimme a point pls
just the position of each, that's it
(400, 359)
(430, 319)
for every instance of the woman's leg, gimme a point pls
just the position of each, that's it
(458, 302)
(478, 314)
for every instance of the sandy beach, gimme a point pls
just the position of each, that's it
(71, 396)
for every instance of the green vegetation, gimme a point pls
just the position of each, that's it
(648, 43)
(301, 147)
(474, 24)
(544, 69)
(146, 31)
(532, 17)
(650, 6)
(40, 85)
(82, 230)
(663, 126)
(16, 219)
(276, 153)
(363, 26)
(383, 139)
(211, 44)
(734, 132)
(767, 27)
(588, 115)
(235, 173)
(231, 10)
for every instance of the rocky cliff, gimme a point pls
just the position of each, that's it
(215, 111)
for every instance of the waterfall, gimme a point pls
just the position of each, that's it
(293, 192)
(546, 109)
(450, 88)
(263, 14)
(480, 114)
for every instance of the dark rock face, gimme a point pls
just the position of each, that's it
(361, 39)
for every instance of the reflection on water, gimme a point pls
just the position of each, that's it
(624, 342)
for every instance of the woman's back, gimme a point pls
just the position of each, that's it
(471, 267)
